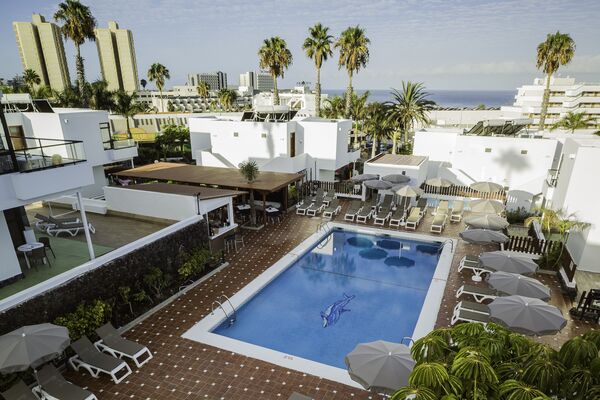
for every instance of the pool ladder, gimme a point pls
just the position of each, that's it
(220, 302)
(325, 227)
(444, 243)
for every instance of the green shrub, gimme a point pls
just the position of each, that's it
(157, 281)
(551, 259)
(195, 264)
(85, 319)
(518, 216)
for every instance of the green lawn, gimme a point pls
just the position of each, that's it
(69, 254)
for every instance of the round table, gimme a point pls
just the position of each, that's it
(26, 248)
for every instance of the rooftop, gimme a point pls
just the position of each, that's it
(203, 193)
(200, 175)
(398, 159)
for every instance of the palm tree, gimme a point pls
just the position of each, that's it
(126, 106)
(203, 90)
(354, 55)
(275, 57)
(334, 107)
(227, 97)
(558, 49)
(358, 112)
(43, 92)
(377, 125)
(408, 107)
(78, 25)
(318, 48)
(515, 390)
(31, 78)
(159, 73)
(100, 97)
(573, 121)
(143, 82)
(249, 170)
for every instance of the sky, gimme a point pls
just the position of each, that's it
(446, 44)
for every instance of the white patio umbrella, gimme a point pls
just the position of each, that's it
(516, 284)
(396, 178)
(486, 187)
(486, 221)
(486, 206)
(508, 262)
(438, 182)
(377, 184)
(380, 366)
(526, 315)
(364, 177)
(409, 191)
(483, 236)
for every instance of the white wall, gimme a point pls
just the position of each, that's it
(10, 263)
(417, 174)
(151, 204)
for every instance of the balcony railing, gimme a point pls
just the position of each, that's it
(552, 177)
(114, 141)
(34, 154)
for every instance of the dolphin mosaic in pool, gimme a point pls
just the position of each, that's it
(332, 314)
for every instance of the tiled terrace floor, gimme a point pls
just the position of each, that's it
(183, 369)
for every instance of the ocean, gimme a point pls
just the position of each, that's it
(447, 98)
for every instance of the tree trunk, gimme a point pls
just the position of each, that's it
(374, 150)
(318, 93)
(349, 97)
(80, 74)
(395, 143)
(545, 99)
(162, 106)
(128, 129)
(252, 209)
(275, 92)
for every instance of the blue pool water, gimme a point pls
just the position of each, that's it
(381, 281)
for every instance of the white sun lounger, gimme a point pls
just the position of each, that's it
(478, 293)
(332, 209)
(469, 316)
(92, 360)
(439, 223)
(114, 344)
(383, 215)
(457, 211)
(353, 209)
(302, 207)
(442, 207)
(398, 216)
(475, 267)
(414, 219)
(315, 208)
(52, 385)
(365, 213)
(471, 306)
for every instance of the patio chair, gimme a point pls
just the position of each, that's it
(399, 215)
(332, 209)
(365, 212)
(469, 316)
(475, 267)
(457, 211)
(302, 207)
(112, 343)
(92, 360)
(329, 196)
(413, 219)
(46, 242)
(479, 293)
(442, 207)
(383, 215)
(52, 385)
(471, 306)
(386, 202)
(19, 391)
(315, 208)
(422, 205)
(318, 195)
(38, 255)
(438, 223)
(353, 209)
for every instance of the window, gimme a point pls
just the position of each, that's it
(488, 149)
(235, 134)
(263, 135)
(523, 152)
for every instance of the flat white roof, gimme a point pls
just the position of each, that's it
(398, 159)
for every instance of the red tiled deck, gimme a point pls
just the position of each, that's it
(184, 369)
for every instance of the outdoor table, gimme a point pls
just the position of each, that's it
(26, 248)
(272, 213)
(242, 207)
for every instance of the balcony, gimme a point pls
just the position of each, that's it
(552, 177)
(35, 154)
(118, 147)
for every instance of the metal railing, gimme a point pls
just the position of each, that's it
(114, 142)
(552, 177)
(34, 154)
(463, 191)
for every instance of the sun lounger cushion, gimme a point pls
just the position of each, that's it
(52, 382)
(470, 316)
(19, 391)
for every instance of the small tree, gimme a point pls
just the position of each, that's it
(143, 82)
(573, 121)
(31, 79)
(249, 170)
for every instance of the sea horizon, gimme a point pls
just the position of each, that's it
(444, 97)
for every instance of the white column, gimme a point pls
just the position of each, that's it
(230, 211)
(86, 227)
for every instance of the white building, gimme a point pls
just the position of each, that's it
(565, 95)
(298, 98)
(572, 187)
(216, 80)
(415, 167)
(185, 99)
(318, 147)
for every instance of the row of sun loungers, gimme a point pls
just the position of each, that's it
(54, 226)
(103, 357)
(328, 204)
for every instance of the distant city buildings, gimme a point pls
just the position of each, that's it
(117, 57)
(41, 49)
(258, 81)
(216, 80)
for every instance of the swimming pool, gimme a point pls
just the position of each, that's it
(315, 305)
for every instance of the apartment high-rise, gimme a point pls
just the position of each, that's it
(117, 57)
(41, 49)
(216, 80)
(260, 81)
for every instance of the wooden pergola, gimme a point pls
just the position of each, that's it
(228, 178)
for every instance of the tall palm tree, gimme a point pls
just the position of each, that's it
(203, 90)
(558, 49)
(249, 170)
(78, 25)
(100, 97)
(408, 107)
(377, 125)
(127, 107)
(31, 78)
(227, 97)
(573, 121)
(358, 112)
(354, 55)
(158, 73)
(275, 57)
(334, 107)
(318, 47)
